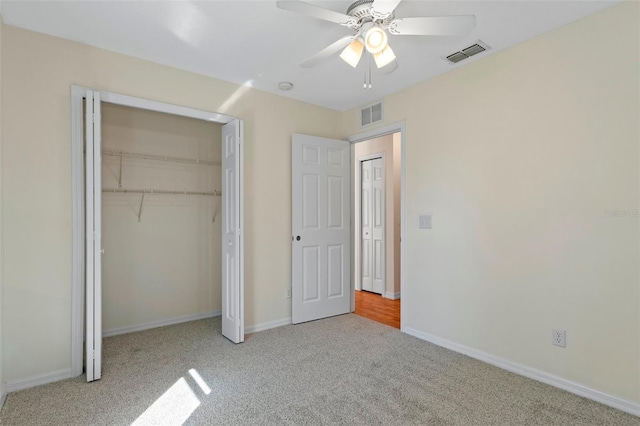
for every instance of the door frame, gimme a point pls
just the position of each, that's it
(396, 127)
(78, 199)
(357, 248)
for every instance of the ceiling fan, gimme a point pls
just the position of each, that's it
(370, 21)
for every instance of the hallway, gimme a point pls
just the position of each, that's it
(377, 308)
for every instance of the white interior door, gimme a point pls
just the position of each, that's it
(232, 241)
(372, 253)
(93, 193)
(321, 225)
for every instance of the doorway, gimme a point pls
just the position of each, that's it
(377, 169)
(370, 235)
(87, 176)
(325, 274)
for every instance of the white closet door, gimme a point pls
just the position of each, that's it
(232, 250)
(365, 221)
(321, 226)
(372, 251)
(378, 225)
(93, 189)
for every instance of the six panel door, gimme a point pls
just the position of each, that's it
(321, 216)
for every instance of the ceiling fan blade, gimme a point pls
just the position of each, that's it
(433, 25)
(316, 12)
(380, 9)
(328, 51)
(389, 68)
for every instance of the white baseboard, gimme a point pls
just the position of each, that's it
(392, 296)
(161, 323)
(42, 379)
(532, 373)
(267, 325)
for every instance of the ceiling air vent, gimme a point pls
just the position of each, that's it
(467, 52)
(371, 114)
(457, 57)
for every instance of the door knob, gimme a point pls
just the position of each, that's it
(298, 238)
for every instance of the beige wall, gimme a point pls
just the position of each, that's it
(389, 145)
(38, 71)
(168, 264)
(518, 157)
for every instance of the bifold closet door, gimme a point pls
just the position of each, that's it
(372, 252)
(232, 251)
(93, 232)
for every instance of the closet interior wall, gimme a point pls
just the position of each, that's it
(165, 266)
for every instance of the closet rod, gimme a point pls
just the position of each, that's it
(143, 156)
(160, 191)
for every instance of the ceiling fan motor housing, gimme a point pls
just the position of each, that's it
(362, 12)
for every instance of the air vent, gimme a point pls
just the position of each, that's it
(473, 50)
(467, 52)
(457, 57)
(371, 114)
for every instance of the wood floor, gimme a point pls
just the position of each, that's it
(377, 308)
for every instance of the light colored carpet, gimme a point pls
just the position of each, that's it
(341, 370)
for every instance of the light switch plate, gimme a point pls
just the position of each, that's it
(425, 221)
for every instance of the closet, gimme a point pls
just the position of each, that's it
(161, 227)
(157, 220)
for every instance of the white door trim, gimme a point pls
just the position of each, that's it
(130, 101)
(77, 188)
(399, 126)
(77, 267)
(357, 249)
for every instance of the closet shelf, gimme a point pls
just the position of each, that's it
(159, 191)
(144, 156)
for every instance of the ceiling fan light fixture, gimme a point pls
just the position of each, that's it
(375, 39)
(385, 57)
(353, 52)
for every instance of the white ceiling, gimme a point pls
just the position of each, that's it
(253, 41)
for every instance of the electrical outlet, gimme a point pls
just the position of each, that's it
(287, 293)
(560, 338)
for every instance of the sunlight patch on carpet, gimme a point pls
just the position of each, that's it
(200, 381)
(173, 407)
